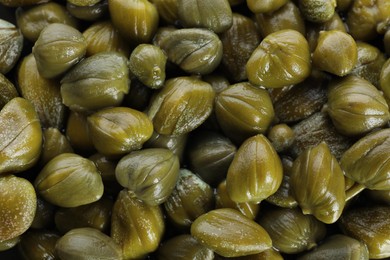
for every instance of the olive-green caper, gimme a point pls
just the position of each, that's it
(286, 17)
(167, 10)
(184, 247)
(18, 202)
(182, 105)
(318, 11)
(137, 227)
(229, 233)
(256, 171)
(69, 180)
(57, 49)
(77, 131)
(89, 12)
(44, 214)
(136, 20)
(238, 43)
(87, 243)
(384, 79)
(336, 52)
(215, 15)
(356, 106)
(11, 45)
(370, 225)
(367, 161)
(291, 231)
(338, 247)
(386, 42)
(83, 2)
(317, 183)
(54, 143)
(282, 58)
(44, 94)
(8, 244)
(31, 21)
(190, 198)
(97, 82)
(194, 50)
(147, 62)
(7, 91)
(103, 36)
(94, 215)
(265, 6)
(21, 132)
(38, 244)
(150, 174)
(118, 130)
(243, 110)
(281, 137)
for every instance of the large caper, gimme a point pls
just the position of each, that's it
(11, 44)
(57, 49)
(256, 171)
(18, 203)
(119, 130)
(229, 233)
(21, 141)
(181, 106)
(281, 59)
(149, 174)
(97, 82)
(69, 180)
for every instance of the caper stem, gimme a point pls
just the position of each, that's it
(354, 190)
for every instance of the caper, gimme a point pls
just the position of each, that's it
(38, 244)
(167, 10)
(384, 79)
(265, 6)
(90, 12)
(54, 143)
(281, 137)
(317, 11)
(7, 90)
(11, 44)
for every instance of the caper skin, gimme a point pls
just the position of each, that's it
(384, 79)
(318, 11)
(281, 137)
(11, 45)
(265, 6)
(282, 58)
(7, 91)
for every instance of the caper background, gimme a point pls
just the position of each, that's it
(210, 48)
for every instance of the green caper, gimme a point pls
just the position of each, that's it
(137, 227)
(11, 45)
(147, 63)
(215, 15)
(44, 94)
(7, 91)
(69, 180)
(282, 58)
(57, 49)
(77, 131)
(356, 106)
(31, 21)
(93, 84)
(38, 244)
(265, 6)
(22, 136)
(384, 79)
(8, 244)
(118, 130)
(150, 174)
(229, 233)
(243, 110)
(92, 244)
(18, 202)
(54, 143)
(256, 171)
(83, 2)
(317, 11)
(167, 10)
(281, 137)
(191, 198)
(90, 12)
(336, 52)
(181, 106)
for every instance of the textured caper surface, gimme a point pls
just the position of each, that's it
(18, 203)
(11, 44)
(317, 11)
(229, 233)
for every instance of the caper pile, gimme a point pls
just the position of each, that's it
(194, 129)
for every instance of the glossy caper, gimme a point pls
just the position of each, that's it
(281, 137)
(38, 244)
(11, 45)
(54, 143)
(167, 10)
(265, 6)
(90, 12)
(77, 131)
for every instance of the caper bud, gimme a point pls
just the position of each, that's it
(282, 58)
(18, 203)
(38, 244)
(317, 183)
(83, 2)
(243, 110)
(356, 106)
(21, 141)
(11, 44)
(8, 244)
(149, 174)
(147, 63)
(77, 131)
(317, 11)
(31, 21)
(93, 84)
(229, 233)
(370, 225)
(384, 79)
(57, 49)
(87, 243)
(194, 50)
(336, 52)
(256, 171)
(181, 106)
(54, 143)
(137, 227)
(118, 130)
(7, 91)
(90, 12)
(215, 15)
(281, 137)
(137, 20)
(167, 10)
(265, 6)
(69, 180)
